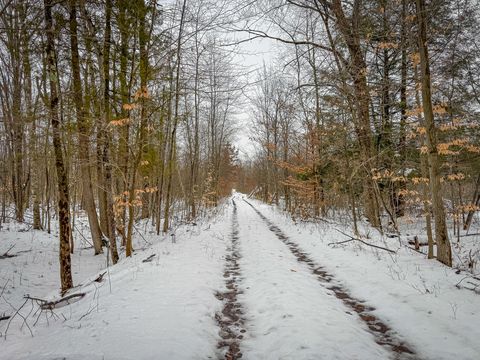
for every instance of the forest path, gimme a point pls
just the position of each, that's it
(230, 320)
(287, 313)
(254, 270)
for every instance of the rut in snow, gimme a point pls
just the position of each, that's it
(230, 320)
(384, 335)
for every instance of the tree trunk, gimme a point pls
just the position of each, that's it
(33, 145)
(83, 135)
(400, 201)
(143, 91)
(106, 150)
(476, 202)
(444, 252)
(358, 70)
(63, 196)
(424, 172)
(171, 151)
(124, 131)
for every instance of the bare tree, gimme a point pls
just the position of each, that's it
(62, 180)
(84, 134)
(444, 252)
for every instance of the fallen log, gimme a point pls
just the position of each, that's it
(50, 305)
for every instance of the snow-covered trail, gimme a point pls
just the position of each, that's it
(288, 313)
(247, 282)
(230, 320)
(418, 298)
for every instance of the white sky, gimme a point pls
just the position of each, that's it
(252, 56)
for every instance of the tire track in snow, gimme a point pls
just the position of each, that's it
(384, 335)
(230, 320)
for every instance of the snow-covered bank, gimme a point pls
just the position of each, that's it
(415, 296)
(33, 268)
(163, 309)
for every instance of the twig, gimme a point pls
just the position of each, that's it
(4, 286)
(91, 308)
(38, 300)
(17, 312)
(84, 238)
(474, 234)
(360, 240)
(10, 248)
(6, 255)
(49, 305)
(139, 233)
(467, 277)
(99, 278)
(149, 259)
(418, 251)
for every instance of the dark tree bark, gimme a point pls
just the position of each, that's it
(124, 25)
(476, 202)
(62, 180)
(400, 201)
(349, 28)
(444, 251)
(107, 180)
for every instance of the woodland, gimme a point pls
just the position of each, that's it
(115, 114)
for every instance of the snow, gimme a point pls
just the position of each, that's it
(141, 310)
(165, 309)
(290, 314)
(415, 296)
(35, 269)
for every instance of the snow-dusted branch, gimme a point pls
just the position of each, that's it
(351, 238)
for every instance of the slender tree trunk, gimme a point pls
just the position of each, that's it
(195, 151)
(15, 114)
(358, 69)
(34, 158)
(476, 202)
(425, 175)
(400, 201)
(83, 135)
(124, 132)
(163, 146)
(63, 196)
(426, 206)
(143, 95)
(106, 149)
(171, 151)
(444, 252)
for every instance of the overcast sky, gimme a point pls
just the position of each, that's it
(252, 55)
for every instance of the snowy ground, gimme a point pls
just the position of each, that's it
(415, 296)
(158, 309)
(166, 308)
